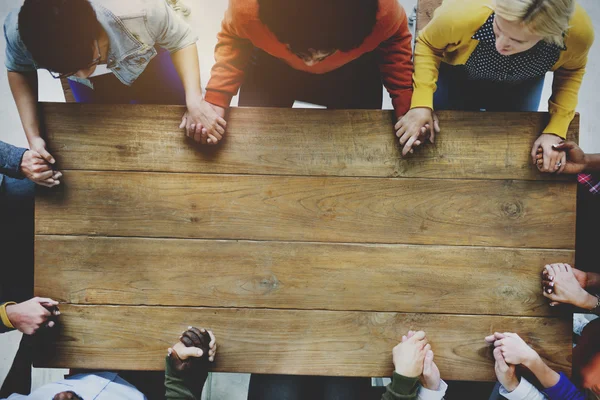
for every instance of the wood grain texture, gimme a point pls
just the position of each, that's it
(425, 9)
(134, 271)
(293, 142)
(293, 341)
(408, 211)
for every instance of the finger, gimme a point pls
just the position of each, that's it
(490, 339)
(47, 156)
(183, 123)
(427, 348)
(400, 133)
(436, 123)
(547, 161)
(500, 359)
(398, 125)
(499, 343)
(563, 163)
(212, 140)
(420, 335)
(568, 268)
(213, 340)
(186, 340)
(550, 270)
(534, 150)
(216, 134)
(564, 146)
(499, 335)
(190, 352)
(44, 175)
(192, 132)
(46, 300)
(431, 131)
(554, 162)
(50, 324)
(221, 121)
(550, 296)
(57, 175)
(540, 151)
(408, 145)
(417, 143)
(217, 130)
(553, 303)
(195, 339)
(404, 338)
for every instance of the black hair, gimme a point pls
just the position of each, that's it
(319, 24)
(59, 34)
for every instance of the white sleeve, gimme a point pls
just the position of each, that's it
(426, 394)
(525, 391)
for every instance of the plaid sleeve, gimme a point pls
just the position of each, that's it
(591, 183)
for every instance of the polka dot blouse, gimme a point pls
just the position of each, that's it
(487, 64)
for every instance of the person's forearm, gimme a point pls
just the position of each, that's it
(188, 67)
(593, 281)
(592, 162)
(183, 385)
(24, 88)
(546, 375)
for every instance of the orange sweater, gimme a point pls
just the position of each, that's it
(242, 30)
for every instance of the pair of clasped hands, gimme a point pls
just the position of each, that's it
(415, 128)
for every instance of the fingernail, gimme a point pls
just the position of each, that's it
(189, 327)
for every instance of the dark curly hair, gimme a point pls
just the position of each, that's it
(59, 34)
(319, 24)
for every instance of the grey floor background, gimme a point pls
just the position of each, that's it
(205, 19)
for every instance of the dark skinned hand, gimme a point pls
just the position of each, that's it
(195, 345)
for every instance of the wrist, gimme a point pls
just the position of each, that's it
(512, 385)
(7, 314)
(532, 361)
(588, 302)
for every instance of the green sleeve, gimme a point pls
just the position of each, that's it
(401, 388)
(186, 385)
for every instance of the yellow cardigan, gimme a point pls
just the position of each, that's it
(448, 38)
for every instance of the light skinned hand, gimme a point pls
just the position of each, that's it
(204, 122)
(38, 170)
(514, 349)
(431, 378)
(39, 146)
(415, 127)
(506, 373)
(561, 285)
(409, 355)
(553, 159)
(31, 315)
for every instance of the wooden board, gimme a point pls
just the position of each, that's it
(425, 9)
(408, 211)
(304, 240)
(294, 142)
(295, 341)
(87, 270)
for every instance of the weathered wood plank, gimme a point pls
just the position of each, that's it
(408, 211)
(293, 342)
(425, 9)
(293, 142)
(134, 271)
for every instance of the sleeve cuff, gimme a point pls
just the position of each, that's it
(422, 97)
(558, 125)
(401, 103)
(218, 98)
(4, 317)
(525, 391)
(404, 385)
(426, 394)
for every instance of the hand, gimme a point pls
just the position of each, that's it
(506, 373)
(409, 356)
(560, 285)
(553, 160)
(204, 122)
(514, 350)
(37, 170)
(415, 127)
(39, 146)
(431, 378)
(576, 158)
(194, 344)
(31, 315)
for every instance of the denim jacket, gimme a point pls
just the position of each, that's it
(10, 161)
(134, 28)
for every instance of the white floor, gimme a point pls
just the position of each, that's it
(205, 18)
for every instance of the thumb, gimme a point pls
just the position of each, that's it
(565, 146)
(46, 156)
(428, 364)
(500, 359)
(183, 122)
(436, 123)
(188, 352)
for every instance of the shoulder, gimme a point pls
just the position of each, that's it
(11, 26)
(242, 12)
(462, 15)
(580, 36)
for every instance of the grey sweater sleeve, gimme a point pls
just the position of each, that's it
(10, 160)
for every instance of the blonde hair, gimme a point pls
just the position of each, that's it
(547, 18)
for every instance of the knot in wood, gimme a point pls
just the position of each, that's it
(513, 209)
